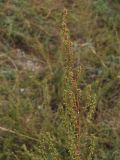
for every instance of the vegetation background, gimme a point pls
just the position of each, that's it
(59, 80)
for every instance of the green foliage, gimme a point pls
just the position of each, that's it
(59, 80)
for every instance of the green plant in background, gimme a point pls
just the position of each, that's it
(50, 107)
(91, 107)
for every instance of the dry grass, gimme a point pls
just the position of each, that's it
(39, 79)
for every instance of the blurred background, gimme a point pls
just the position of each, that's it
(31, 76)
